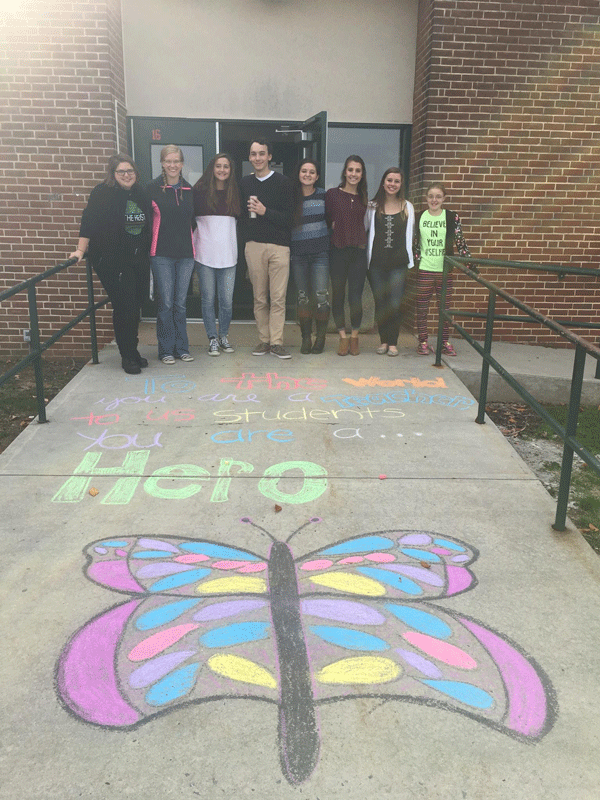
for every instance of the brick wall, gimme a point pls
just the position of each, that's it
(506, 112)
(63, 70)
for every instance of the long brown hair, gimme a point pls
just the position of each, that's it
(379, 199)
(298, 194)
(362, 184)
(208, 183)
(113, 163)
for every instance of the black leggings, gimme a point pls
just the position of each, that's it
(347, 265)
(125, 284)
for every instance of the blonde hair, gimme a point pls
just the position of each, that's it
(168, 150)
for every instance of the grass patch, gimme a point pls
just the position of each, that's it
(18, 397)
(584, 497)
(518, 421)
(588, 426)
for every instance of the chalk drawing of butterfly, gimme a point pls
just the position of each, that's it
(354, 619)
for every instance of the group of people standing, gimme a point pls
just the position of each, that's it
(335, 236)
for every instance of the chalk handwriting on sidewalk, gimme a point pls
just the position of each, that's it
(182, 481)
(123, 441)
(271, 380)
(404, 396)
(99, 419)
(127, 401)
(327, 415)
(435, 383)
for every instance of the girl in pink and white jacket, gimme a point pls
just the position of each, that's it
(172, 254)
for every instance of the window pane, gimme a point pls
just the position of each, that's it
(379, 148)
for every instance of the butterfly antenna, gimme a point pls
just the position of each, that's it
(311, 520)
(248, 521)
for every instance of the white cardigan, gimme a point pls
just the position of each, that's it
(410, 223)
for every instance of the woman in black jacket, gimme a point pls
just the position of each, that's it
(115, 232)
(172, 254)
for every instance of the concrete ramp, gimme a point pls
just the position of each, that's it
(246, 577)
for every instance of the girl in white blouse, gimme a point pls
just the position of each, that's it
(217, 207)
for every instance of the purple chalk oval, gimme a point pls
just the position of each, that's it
(228, 609)
(343, 611)
(157, 668)
(417, 573)
(163, 568)
(157, 544)
(424, 666)
(415, 538)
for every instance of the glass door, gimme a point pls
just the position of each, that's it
(313, 141)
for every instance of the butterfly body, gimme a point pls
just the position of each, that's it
(298, 734)
(355, 619)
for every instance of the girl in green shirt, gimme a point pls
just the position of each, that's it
(437, 233)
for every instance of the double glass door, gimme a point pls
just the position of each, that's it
(200, 140)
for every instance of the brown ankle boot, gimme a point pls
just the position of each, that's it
(354, 349)
(343, 346)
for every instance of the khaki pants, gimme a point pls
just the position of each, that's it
(269, 270)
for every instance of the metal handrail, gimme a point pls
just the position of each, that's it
(36, 347)
(582, 348)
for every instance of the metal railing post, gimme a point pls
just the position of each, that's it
(485, 364)
(441, 320)
(90, 292)
(570, 430)
(35, 347)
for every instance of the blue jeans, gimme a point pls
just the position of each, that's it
(311, 276)
(171, 278)
(216, 282)
(388, 290)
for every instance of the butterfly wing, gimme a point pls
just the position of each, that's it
(174, 566)
(148, 656)
(412, 565)
(175, 643)
(418, 652)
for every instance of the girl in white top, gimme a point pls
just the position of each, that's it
(390, 220)
(217, 207)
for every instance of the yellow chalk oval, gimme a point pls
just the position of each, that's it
(365, 670)
(233, 585)
(346, 582)
(241, 669)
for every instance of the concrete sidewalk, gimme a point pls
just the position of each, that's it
(450, 647)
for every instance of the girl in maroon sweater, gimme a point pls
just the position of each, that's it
(345, 209)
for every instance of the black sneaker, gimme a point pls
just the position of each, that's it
(280, 351)
(130, 366)
(261, 349)
(226, 345)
